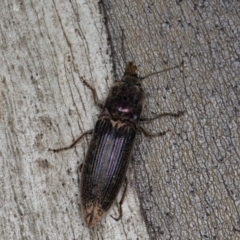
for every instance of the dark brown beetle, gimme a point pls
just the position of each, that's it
(109, 153)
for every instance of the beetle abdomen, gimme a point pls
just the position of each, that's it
(105, 167)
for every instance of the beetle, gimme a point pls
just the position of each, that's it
(111, 145)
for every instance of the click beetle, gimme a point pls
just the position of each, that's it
(111, 145)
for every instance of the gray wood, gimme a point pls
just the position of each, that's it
(187, 181)
(47, 48)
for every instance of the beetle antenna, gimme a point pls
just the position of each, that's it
(158, 72)
(123, 46)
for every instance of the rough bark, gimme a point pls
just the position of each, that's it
(187, 182)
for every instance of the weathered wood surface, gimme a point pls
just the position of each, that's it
(185, 183)
(188, 181)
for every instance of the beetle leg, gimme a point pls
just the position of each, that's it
(121, 202)
(73, 144)
(94, 92)
(180, 113)
(148, 134)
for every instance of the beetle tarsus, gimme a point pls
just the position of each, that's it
(73, 144)
(121, 202)
(148, 134)
(94, 93)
